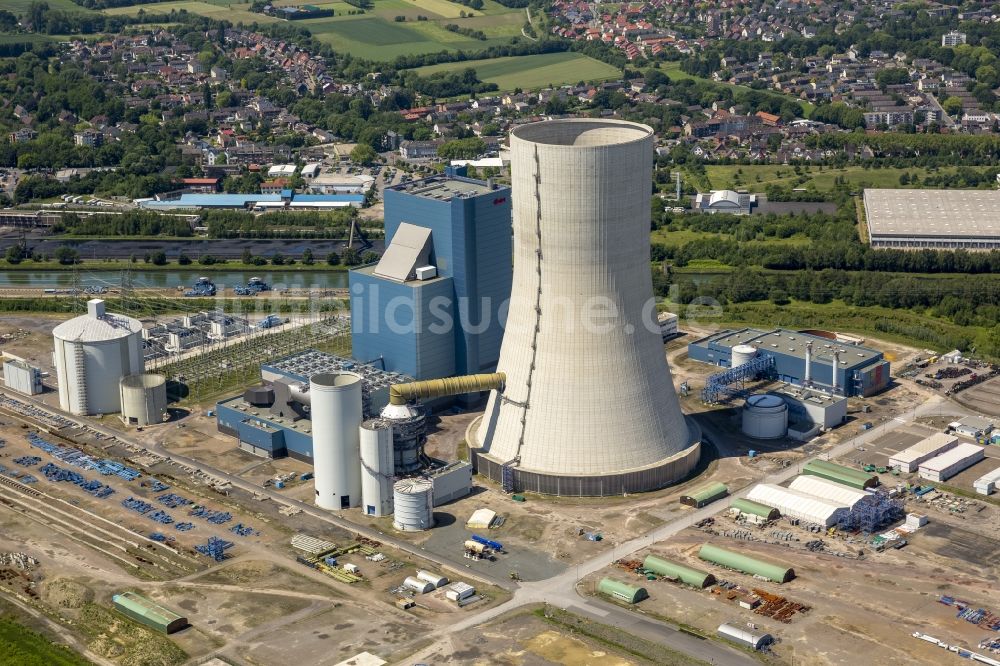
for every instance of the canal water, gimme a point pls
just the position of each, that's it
(172, 279)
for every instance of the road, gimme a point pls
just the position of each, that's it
(222, 248)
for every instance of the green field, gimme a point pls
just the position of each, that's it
(23, 647)
(533, 71)
(236, 12)
(758, 176)
(21, 6)
(24, 38)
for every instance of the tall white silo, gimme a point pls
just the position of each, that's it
(335, 408)
(589, 406)
(377, 467)
(92, 353)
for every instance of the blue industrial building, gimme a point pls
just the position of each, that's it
(272, 420)
(860, 370)
(431, 307)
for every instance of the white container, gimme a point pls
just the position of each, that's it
(351, 568)
(765, 416)
(377, 468)
(417, 585)
(432, 578)
(413, 500)
(459, 591)
(426, 272)
(92, 353)
(336, 418)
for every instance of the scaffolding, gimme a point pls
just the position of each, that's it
(732, 382)
(873, 513)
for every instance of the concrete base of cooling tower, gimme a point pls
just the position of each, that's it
(652, 477)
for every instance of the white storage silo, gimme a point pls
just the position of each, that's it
(335, 407)
(582, 351)
(743, 354)
(413, 501)
(377, 468)
(143, 398)
(765, 416)
(92, 353)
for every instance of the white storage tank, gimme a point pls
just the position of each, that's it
(143, 398)
(413, 500)
(377, 468)
(92, 353)
(765, 416)
(417, 585)
(432, 578)
(743, 354)
(335, 406)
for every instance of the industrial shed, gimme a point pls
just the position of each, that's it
(909, 460)
(748, 565)
(149, 613)
(622, 591)
(798, 504)
(684, 574)
(753, 512)
(831, 491)
(948, 464)
(705, 495)
(854, 478)
(744, 637)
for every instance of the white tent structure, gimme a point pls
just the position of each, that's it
(798, 504)
(828, 490)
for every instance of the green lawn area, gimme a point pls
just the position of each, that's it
(215, 9)
(22, 647)
(684, 236)
(534, 71)
(23, 38)
(673, 70)
(21, 6)
(758, 176)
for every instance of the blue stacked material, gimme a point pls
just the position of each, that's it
(203, 287)
(106, 491)
(220, 517)
(214, 548)
(158, 536)
(13, 473)
(214, 517)
(161, 517)
(137, 505)
(27, 478)
(54, 473)
(495, 545)
(157, 486)
(173, 501)
(184, 527)
(27, 461)
(240, 529)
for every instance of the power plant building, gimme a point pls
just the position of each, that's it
(859, 370)
(92, 353)
(588, 406)
(432, 306)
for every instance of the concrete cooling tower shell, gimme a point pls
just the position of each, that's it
(589, 406)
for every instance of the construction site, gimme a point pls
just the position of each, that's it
(255, 488)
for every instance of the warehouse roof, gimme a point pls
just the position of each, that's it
(854, 478)
(707, 493)
(828, 490)
(932, 444)
(797, 504)
(793, 343)
(151, 610)
(754, 508)
(942, 213)
(949, 458)
(751, 565)
(444, 188)
(685, 574)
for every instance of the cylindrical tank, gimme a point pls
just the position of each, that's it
(475, 546)
(377, 470)
(336, 418)
(409, 432)
(92, 353)
(144, 399)
(743, 354)
(582, 350)
(413, 501)
(765, 416)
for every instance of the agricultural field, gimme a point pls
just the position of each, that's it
(21, 6)
(21, 646)
(533, 71)
(758, 176)
(26, 38)
(215, 9)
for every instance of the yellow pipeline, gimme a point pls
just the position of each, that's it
(400, 394)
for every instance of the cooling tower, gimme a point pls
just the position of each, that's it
(335, 399)
(588, 407)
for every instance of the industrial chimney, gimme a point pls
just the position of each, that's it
(588, 406)
(809, 357)
(336, 416)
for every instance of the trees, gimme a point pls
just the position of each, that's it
(333, 259)
(462, 149)
(952, 106)
(350, 257)
(307, 257)
(67, 256)
(158, 258)
(363, 154)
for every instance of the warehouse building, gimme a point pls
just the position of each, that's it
(798, 504)
(685, 574)
(809, 405)
(859, 370)
(725, 201)
(855, 478)
(630, 594)
(975, 427)
(752, 512)
(908, 460)
(951, 462)
(934, 219)
(830, 491)
(744, 637)
(987, 483)
(748, 565)
(149, 613)
(705, 495)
